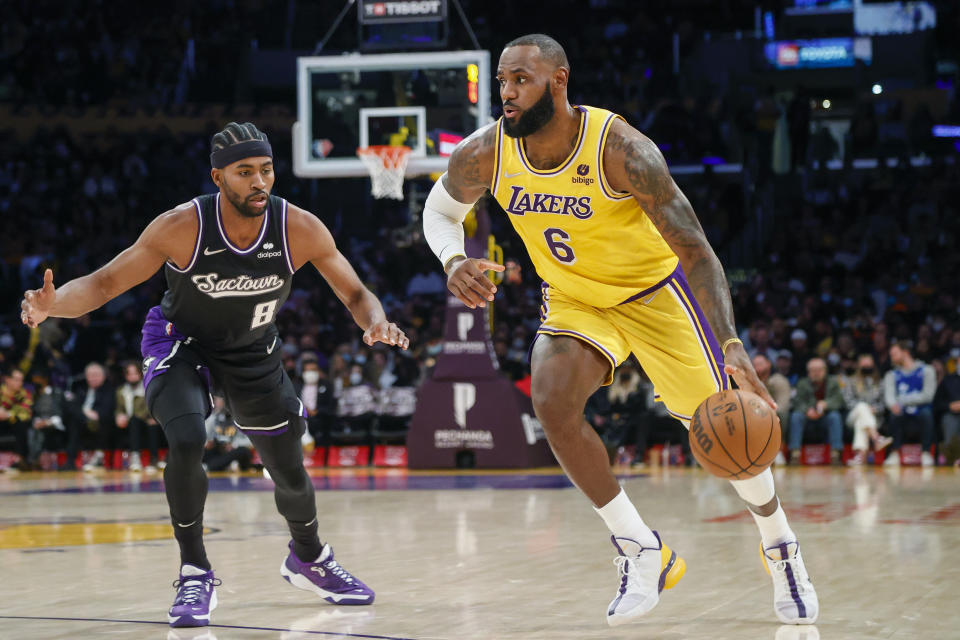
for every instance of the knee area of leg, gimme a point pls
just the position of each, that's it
(186, 435)
(290, 478)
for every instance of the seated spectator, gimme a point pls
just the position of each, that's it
(908, 391)
(779, 388)
(49, 419)
(316, 393)
(946, 402)
(817, 405)
(132, 415)
(653, 424)
(94, 408)
(863, 395)
(227, 447)
(16, 410)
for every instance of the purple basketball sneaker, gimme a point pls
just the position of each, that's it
(196, 598)
(326, 578)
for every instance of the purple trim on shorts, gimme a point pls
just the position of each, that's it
(791, 580)
(256, 243)
(554, 172)
(678, 416)
(713, 345)
(196, 246)
(650, 290)
(160, 340)
(566, 332)
(283, 234)
(703, 345)
(603, 180)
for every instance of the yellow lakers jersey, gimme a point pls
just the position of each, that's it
(592, 243)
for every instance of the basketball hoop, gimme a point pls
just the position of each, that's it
(387, 165)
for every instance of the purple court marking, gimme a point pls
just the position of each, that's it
(368, 482)
(212, 626)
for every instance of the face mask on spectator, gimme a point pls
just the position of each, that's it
(311, 377)
(867, 371)
(955, 352)
(850, 370)
(833, 359)
(355, 378)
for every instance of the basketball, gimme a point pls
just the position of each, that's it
(734, 434)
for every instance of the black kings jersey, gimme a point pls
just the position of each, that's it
(227, 297)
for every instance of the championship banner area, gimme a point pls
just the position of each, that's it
(469, 414)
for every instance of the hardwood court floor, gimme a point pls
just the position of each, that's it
(480, 556)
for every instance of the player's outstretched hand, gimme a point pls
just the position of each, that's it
(737, 364)
(466, 280)
(387, 333)
(37, 303)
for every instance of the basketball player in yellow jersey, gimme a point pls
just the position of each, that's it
(627, 268)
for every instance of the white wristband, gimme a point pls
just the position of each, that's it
(443, 223)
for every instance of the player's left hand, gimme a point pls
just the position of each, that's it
(737, 364)
(387, 333)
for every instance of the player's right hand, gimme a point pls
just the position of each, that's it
(37, 303)
(466, 280)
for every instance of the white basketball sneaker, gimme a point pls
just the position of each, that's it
(794, 598)
(644, 572)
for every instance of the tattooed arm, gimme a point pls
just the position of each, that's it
(634, 164)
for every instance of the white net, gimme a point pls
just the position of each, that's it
(387, 165)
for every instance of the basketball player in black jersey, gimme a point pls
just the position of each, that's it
(229, 259)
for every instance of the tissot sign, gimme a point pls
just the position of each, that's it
(387, 11)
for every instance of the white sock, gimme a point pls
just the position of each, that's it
(774, 528)
(623, 520)
(758, 491)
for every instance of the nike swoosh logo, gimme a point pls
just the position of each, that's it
(512, 175)
(272, 345)
(187, 525)
(207, 252)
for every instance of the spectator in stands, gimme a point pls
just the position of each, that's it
(16, 411)
(132, 415)
(946, 403)
(95, 406)
(908, 391)
(779, 388)
(784, 364)
(49, 419)
(817, 404)
(316, 393)
(227, 447)
(626, 401)
(801, 352)
(863, 395)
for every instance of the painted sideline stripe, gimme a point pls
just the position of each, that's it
(212, 626)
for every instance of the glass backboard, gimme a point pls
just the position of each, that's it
(426, 101)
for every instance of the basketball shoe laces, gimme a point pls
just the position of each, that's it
(624, 564)
(190, 590)
(780, 566)
(338, 571)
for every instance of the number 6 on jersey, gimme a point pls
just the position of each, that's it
(263, 313)
(561, 251)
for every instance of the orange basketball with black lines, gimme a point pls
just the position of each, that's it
(734, 434)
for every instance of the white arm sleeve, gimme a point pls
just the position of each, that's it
(443, 223)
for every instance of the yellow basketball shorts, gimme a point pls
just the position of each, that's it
(663, 326)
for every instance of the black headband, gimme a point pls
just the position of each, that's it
(246, 149)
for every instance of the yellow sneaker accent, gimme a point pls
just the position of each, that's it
(764, 557)
(678, 569)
